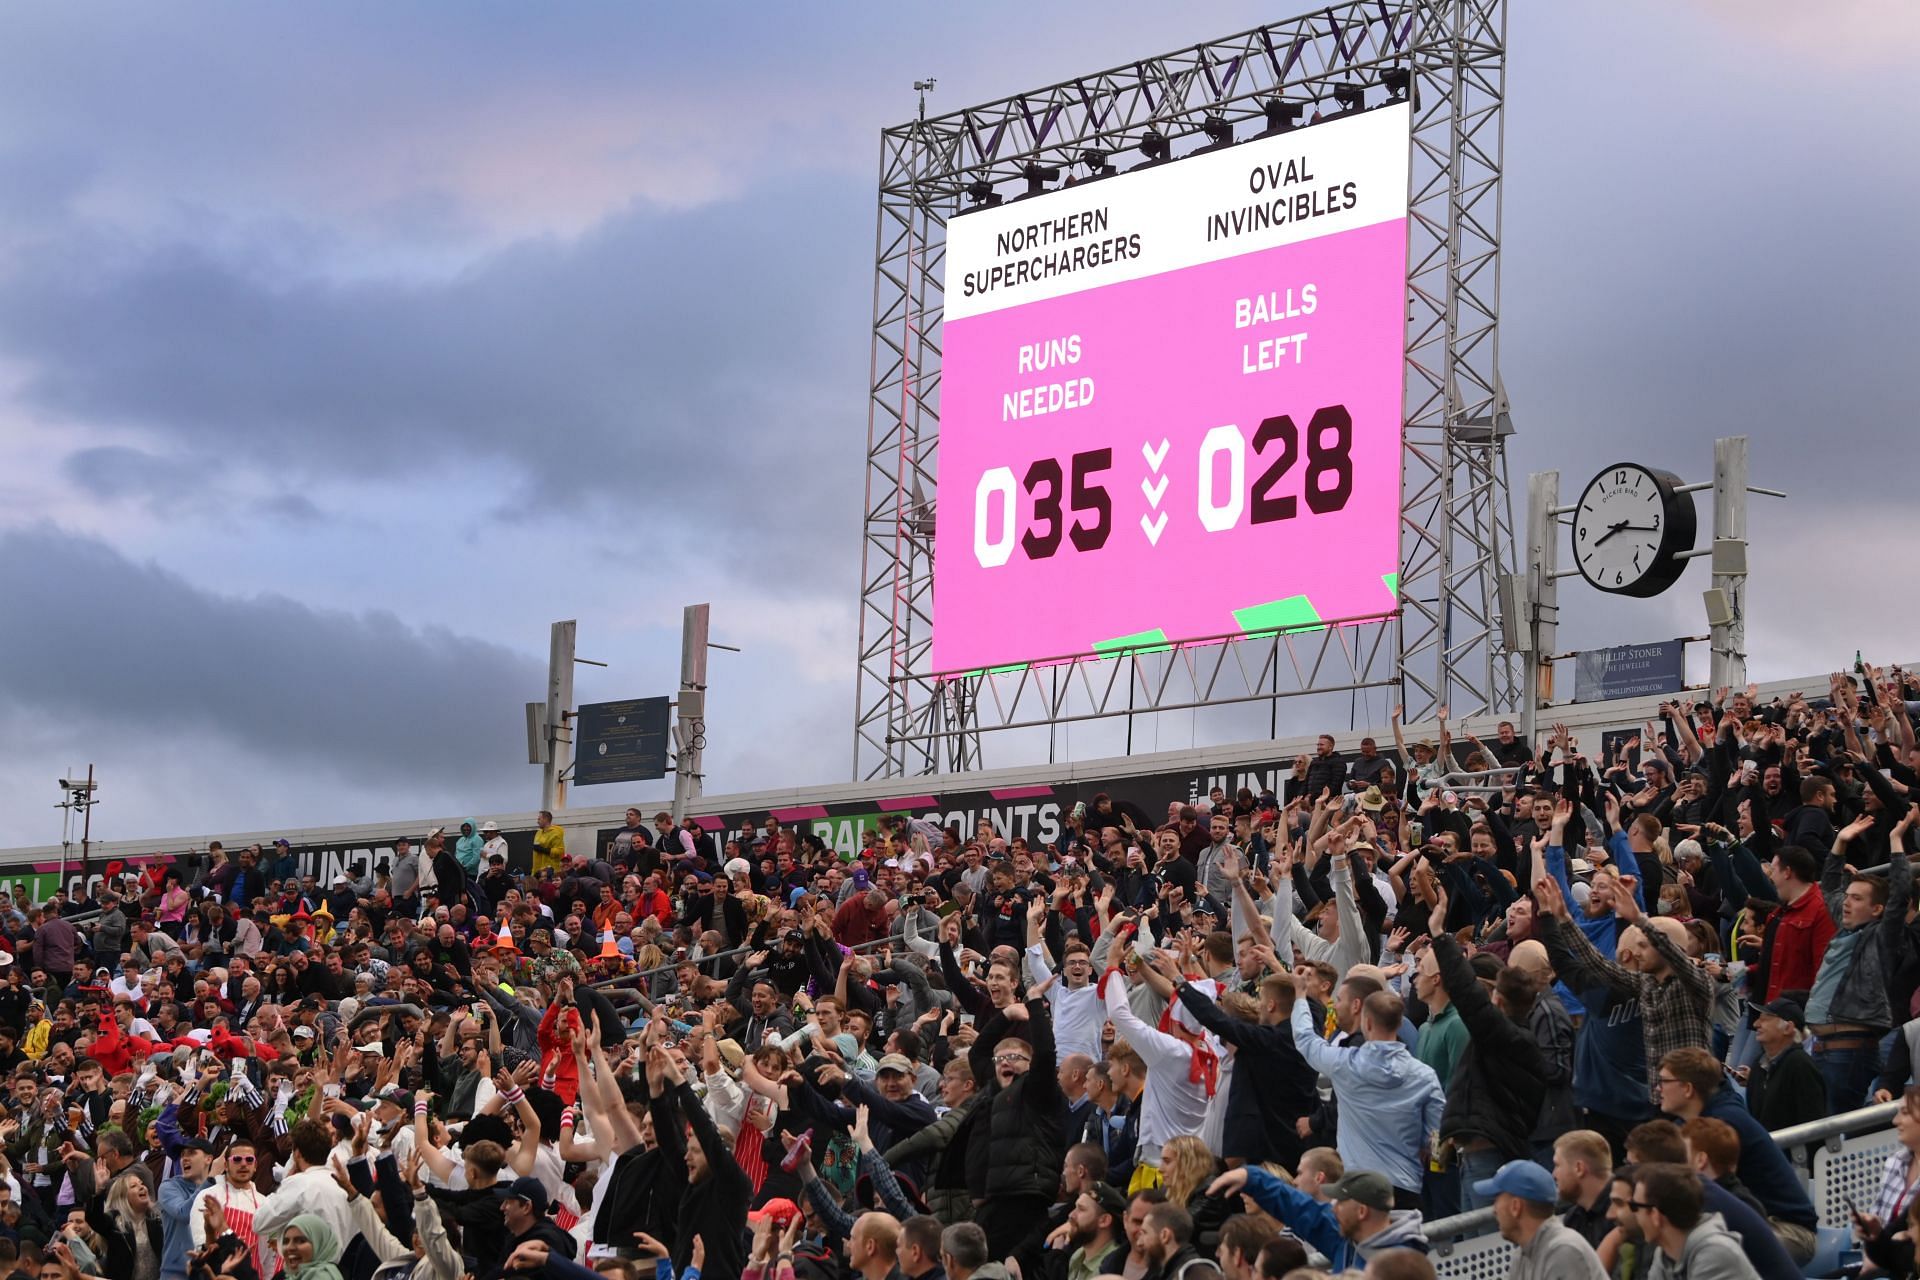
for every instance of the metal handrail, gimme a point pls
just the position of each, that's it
(1447, 1233)
(1833, 1128)
(628, 978)
(1478, 782)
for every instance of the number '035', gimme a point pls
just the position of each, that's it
(996, 515)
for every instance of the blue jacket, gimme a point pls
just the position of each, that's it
(1390, 1101)
(1310, 1219)
(176, 1215)
(1764, 1167)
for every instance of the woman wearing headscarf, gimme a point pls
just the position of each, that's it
(308, 1249)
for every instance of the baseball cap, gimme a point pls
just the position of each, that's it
(284, 843)
(738, 867)
(1373, 1190)
(528, 1189)
(303, 1033)
(1786, 1010)
(794, 935)
(1110, 1198)
(779, 1210)
(197, 1144)
(895, 1062)
(1523, 1178)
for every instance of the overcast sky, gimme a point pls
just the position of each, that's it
(344, 347)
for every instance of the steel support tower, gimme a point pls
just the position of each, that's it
(1443, 648)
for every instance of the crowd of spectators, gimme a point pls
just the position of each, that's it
(1246, 1036)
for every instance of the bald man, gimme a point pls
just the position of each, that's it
(1552, 1030)
(873, 1247)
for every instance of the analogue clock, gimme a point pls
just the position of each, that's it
(1629, 529)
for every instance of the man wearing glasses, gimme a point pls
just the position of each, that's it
(238, 1198)
(1668, 1208)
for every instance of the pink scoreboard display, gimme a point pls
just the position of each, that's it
(1171, 401)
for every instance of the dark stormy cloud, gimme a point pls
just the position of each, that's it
(343, 348)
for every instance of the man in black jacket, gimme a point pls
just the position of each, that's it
(523, 1203)
(1271, 1085)
(1024, 1119)
(1493, 1100)
(1785, 1087)
(1166, 1242)
(714, 1206)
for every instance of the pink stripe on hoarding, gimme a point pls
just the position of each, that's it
(905, 802)
(1020, 793)
(800, 813)
(711, 824)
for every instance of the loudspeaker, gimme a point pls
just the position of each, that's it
(536, 733)
(1515, 632)
(1730, 556)
(1719, 608)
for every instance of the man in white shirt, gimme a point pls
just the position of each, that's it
(1079, 1015)
(1173, 1102)
(310, 1188)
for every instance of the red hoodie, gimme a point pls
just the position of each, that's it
(556, 1059)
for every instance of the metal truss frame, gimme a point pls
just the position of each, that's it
(1443, 647)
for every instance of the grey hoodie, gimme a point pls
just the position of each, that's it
(1712, 1253)
(1405, 1230)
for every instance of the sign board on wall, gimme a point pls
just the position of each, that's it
(1630, 671)
(622, 741)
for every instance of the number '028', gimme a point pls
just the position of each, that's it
(1329, 475)
(994, 531)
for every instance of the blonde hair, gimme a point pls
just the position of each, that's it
(1187, 1166)
(1587, 1145)
(1122, 1054)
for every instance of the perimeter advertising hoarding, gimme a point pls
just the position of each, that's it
(1035, 813)
(1171, 401)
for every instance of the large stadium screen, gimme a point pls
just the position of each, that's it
(1171, 401)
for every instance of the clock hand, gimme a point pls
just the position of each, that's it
(1611, 530)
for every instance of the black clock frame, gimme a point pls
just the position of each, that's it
(1679, 525)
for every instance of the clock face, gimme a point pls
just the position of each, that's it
(1627, 528)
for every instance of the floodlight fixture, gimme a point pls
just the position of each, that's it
(1282, 116)
(1038, 175)
(1154, 146)
(1351, 97)
(981, 195)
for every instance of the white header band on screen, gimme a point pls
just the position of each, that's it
(1350, 172)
